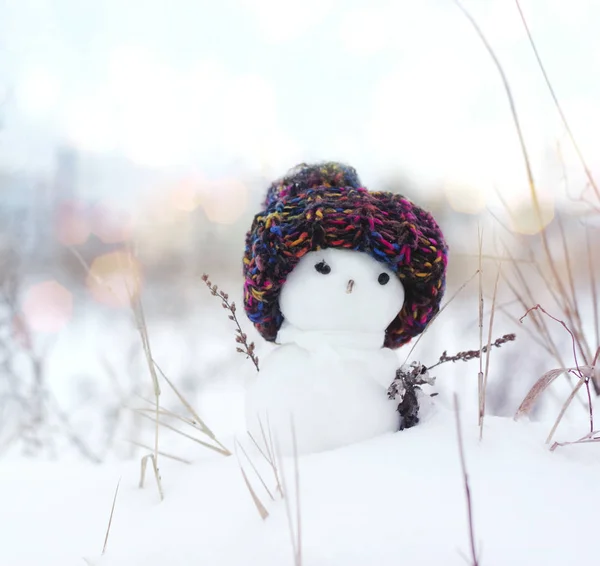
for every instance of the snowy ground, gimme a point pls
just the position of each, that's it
(397, 499)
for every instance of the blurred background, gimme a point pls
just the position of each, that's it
(138, 138)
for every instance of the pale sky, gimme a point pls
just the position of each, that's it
(388, 85)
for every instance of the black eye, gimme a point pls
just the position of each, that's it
(383, 278)
(323, 268)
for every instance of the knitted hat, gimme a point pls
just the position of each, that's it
(322, 206)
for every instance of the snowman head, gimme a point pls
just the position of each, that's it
(315, 255)
(341, 290)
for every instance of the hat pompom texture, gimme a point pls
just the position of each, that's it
(324, 205)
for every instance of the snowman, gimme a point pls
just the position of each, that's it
(338, 277)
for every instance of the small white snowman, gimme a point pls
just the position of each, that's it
(337, 277)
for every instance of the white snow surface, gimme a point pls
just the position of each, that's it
(395, 499)
(332, 397)
(311, 300)
(330, 374)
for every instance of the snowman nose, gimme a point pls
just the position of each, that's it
(350, 286)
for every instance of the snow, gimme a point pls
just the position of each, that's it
(313, 301)
(395, 499)
(333, 400)
(331, 372)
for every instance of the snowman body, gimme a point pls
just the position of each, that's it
(325, 385)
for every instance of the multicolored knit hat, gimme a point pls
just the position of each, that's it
(322, 206)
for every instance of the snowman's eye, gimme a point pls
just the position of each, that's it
(383, 278)
(323, 268)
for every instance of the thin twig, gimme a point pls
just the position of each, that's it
(217, 449)
(563, 410)
(473, 354)
(444, 306)
(562, 323)
(204, 427)
(567, 307)
(474, 560)
(240, 336)
(295, 533)
(144, 464)
(488, 351)
(255, 470)
(565, 122)
(480, 393)
(298, 513)
(110, 519)
(165, 454)
(590, 438)
(262, 510)
(594, 290)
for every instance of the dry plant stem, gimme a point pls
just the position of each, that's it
(138, 314)
(456, 293)
(532, 187)
(540, 386)
(563, 411)
(138, 311)
(533, 336)
(271, 463)
(241, 337)
(539, 322)
(583, 379)
(217, 449)
(255, 469)
(488, 351)
(488, 257)
(144, 464)
(198, 422)
(480, 393)
(298, 513)
(569, 312)
(296, 534)
(110, 519)
(543, 336)
(270, 455)
(590, 438)
(592, 377)
(558, 106)
(569, 270)
(573, 342)
(262, 510)
(594, 288)
(164, 454)
(35, 401)
(513, 108)
(474, 559)
(572, 308)
(473, 354)
(529, 297)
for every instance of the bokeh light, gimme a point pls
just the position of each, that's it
(110, 224)
(465, 198)
(47, 307)
(526, 220)
(185, 195)
(114, 279)
(224, 201)
(72, 225)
